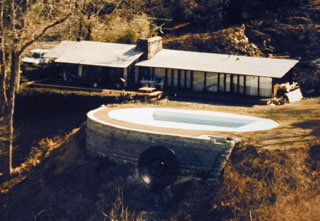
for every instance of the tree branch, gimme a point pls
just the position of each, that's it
(114, 10)
(43, 32)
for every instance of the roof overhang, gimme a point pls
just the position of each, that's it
(220, 63)
(39, 51)
(95, 54)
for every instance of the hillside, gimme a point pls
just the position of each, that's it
(274, 175)
(285, 32)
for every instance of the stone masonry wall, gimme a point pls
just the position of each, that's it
(122, 145)
(150, 46)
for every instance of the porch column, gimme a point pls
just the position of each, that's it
(125, 76)
(136, 75)
(80, 70)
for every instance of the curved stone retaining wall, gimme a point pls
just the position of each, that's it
(195, 154)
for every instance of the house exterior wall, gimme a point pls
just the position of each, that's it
(212, 82)
(198, 81)
(228, 83)
(208, 81)
(175, 78)
(234, 83)
(189, 77)
(241, 84)
(265, 87)
(221, 82)
(160, 73)
(169, 77)
(95, 76)
(252, 85)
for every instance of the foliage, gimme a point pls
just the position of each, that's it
(104, 20)
(119, 211)
(86, 17)
(32, 99)
(121, 29)
(227, 41)
(238, 11)
(270, 185)
(206, 15)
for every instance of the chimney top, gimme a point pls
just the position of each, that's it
(150, 46)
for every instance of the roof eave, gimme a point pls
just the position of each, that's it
(142, 64)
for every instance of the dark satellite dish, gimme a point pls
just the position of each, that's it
(158, 167)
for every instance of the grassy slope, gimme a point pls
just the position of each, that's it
(277, 179)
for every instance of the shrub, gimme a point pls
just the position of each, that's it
(37, 100)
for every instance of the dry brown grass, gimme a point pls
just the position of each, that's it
(36, 157)
(271, 185)
(119, 211)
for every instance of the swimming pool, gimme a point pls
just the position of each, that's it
(192, 119)
(142, 137)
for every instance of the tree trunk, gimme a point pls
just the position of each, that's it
(8, 115)
(2, 90)
(13, 41)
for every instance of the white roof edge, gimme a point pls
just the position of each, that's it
(39, 50)
(93, 53)
(203, 70)
(220, 63)
(100, 65)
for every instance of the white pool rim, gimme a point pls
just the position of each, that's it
(192, 119)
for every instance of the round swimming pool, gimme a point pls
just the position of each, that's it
(178, 141)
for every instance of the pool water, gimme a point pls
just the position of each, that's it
(192, 119)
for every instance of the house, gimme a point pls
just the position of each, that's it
(96, 64)
(183, 70)
(198, 71)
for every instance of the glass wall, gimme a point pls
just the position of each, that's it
(252, 85)
(265, 87)
(212, 82)
(209, 81)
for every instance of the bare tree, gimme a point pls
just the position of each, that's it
(22, 22)
(107, 20)
(85, 11)
(86, 15)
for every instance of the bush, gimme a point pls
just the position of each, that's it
(121, 29)
(42, 101)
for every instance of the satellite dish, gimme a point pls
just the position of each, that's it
(158, 167)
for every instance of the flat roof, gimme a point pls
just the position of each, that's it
(220, 63)
(95, 53)
(39, 50)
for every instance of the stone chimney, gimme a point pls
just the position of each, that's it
(150, 46)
